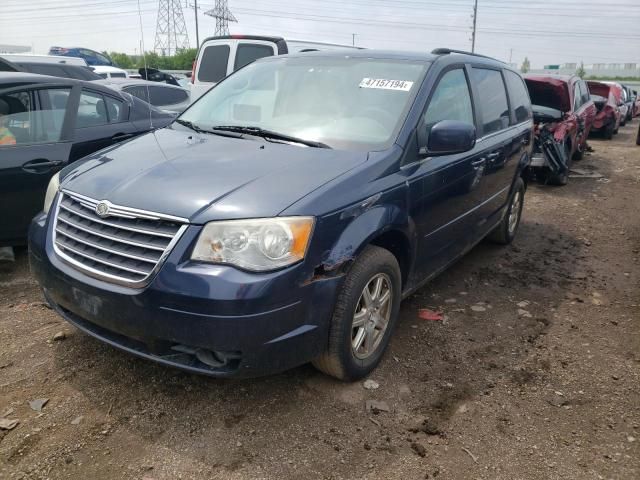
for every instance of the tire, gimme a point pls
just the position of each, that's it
(579, 154)
(340, 359)
(505, 232)
(608, 132)
(561, 179)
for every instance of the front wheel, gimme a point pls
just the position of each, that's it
(364, 316)
(506, 231)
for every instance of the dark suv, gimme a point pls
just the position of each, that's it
(282, 218)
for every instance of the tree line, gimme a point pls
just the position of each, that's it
(182, 60)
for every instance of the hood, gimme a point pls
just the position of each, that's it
(206, 177)
(549, 92)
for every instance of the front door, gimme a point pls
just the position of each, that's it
(35, 145)
(445, 191)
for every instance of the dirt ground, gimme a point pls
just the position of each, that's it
(539, 380)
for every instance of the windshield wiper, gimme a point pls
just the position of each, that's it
(261, 132)
(190, 125)
(198, 129)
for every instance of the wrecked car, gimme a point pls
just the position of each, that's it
(283, 217)
(607, 119)
(620, 95)
(563, 114)
(629, 101)
(636, 102)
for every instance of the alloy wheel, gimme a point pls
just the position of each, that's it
(514, 212)
(371, 316)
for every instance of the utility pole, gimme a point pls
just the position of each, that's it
(510, 55)
(171, 31)
(223, 16)
(195, 11)
(473, 34)
(353, 39)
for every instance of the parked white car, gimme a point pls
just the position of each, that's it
(220, 56)
(106, 71)
(28, 58)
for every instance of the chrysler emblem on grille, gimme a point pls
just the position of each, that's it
(102, 209)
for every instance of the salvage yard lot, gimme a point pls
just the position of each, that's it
(533, 373)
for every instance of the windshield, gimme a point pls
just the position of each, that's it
(345, 103)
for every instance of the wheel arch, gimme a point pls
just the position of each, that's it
(385, 226)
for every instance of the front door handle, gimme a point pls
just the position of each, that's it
(118, 137)
(478, 163)
(493, 156)
(40, 165)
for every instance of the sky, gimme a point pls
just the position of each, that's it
(545, 31)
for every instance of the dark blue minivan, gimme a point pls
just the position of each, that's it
(282, 218)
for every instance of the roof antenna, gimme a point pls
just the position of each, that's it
(144, 59)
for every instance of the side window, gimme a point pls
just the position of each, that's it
(92, 110)
(115, 109)
(519, 96)
(249, 52)
(584, 92)
(213, 64)
(101, 58)
(31, 117)
(493, 99)
(577, 97)
(450, 101)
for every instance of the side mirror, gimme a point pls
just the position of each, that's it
(448, 137)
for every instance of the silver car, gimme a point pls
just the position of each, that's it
(166, 97)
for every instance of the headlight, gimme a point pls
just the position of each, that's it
(257, 245)
(52, 189)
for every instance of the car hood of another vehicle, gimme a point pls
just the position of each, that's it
(204, 177)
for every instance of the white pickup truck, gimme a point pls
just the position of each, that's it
(220, 56)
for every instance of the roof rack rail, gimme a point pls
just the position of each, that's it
(447, 51)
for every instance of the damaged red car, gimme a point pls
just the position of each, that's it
(607, 120)
(563, 114)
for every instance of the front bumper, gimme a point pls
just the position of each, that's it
(208, 319)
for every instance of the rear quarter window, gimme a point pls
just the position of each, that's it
(519, 96)
(492, 99)
(166, 96)
(213, 63)
(250, 52)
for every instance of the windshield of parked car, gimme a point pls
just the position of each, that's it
(341, 102)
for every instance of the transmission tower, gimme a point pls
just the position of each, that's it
(171, 31)
(223, 16)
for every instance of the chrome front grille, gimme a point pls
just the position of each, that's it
(122, 245)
